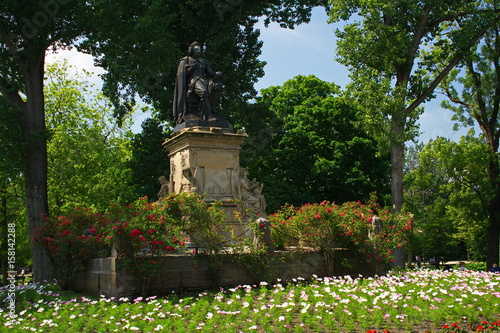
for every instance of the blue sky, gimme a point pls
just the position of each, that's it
(309, 49)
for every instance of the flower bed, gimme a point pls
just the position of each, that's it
(416, 301)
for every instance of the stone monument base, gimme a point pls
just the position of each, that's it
(223, 124)
(205, 160)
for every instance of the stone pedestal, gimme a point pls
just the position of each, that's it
(206, 160)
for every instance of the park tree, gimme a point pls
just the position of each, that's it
(87, 151)
(383, 46)
(474, 97)
(148, 146)
(133, 30)
(449, 194)
(139, 43)
(318, 149)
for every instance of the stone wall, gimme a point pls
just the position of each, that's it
(186, 273)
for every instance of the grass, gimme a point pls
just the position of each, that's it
(413, 301)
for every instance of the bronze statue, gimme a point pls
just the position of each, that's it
(195, 98)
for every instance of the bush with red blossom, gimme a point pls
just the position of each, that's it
(140, 232)
(70, 241)
(327, 226)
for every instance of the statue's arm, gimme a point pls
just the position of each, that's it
(209, 70)
(189, 68)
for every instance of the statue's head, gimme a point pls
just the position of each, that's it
(194, 50)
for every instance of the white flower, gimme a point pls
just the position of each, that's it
(281, 318)
(210, 315)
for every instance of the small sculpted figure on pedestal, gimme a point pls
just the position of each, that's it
(251, 195)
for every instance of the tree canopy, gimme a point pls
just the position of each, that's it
(449, 193)
(474, 97)
(139, 43)
(317, 150)
(87, 151)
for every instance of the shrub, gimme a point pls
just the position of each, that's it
(327, 227)
(140, 232)
(67, 246)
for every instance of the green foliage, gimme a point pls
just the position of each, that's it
(12, 158)
(149, 160)
(328, 227)
(86, 149)
(144, 228)
(139, 43)
(257, 256)
(12, 164)
(449, 194)
(473, 98)
(474, 266)
(385, 49)
(140, 232)
(134, 41)
(67, 246)
(313, 145)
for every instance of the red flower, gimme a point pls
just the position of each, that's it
(151, 231)
(169, 248)
(135, 232)
(142, 238)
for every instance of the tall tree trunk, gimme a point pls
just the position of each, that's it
(397, 163)
(36, 163)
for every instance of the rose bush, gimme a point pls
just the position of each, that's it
(327, 227)
(70, 241)
(140, 232)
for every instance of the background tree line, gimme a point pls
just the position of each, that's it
(314, 140)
